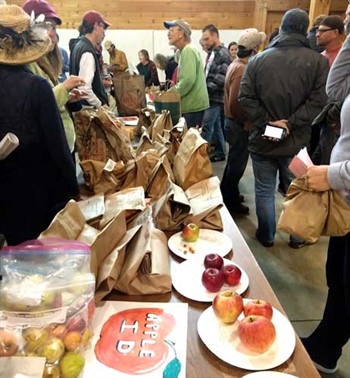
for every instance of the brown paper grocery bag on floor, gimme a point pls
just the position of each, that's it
(192, 163)
(146, 268)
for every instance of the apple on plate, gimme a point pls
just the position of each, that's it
(258, 307)
(213, 260)
(227, 306)
(257, 333)
(190, 232)
(232, 274)
(213, 279)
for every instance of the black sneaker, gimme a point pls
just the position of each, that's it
(215, 158)
(239, 209)
(298, 244)
(262, 242)
(323, 366)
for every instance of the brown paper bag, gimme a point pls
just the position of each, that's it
(99, 136)
(175, 137)
(129, 93)
(192, 163)
(146, 118)
(170, 101)
(107, 177)
(70, 224)
(206, 200)
(338, 220)
(304, 212)
(159, 180)
(142, 170)
(171, 209)
(111, 267)
(146, 268)
(131, 201)
(161, 123)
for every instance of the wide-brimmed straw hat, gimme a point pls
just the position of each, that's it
(21, 39)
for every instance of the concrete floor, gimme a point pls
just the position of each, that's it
(296, 276)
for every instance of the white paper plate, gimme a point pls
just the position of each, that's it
(222, 340)
(209, 241)
(269, 374)
(187, 280)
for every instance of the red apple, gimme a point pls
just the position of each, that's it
(256, 333)
(227, 306)
(213, 279)
(258, 307)
(213, 260)
(232, 274)
(8, 343)
(190, 232)
(76, 323)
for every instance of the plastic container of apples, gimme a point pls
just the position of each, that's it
(47, 304)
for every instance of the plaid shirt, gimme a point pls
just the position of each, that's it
(216, 73)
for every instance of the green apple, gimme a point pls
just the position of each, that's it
(190, 232)
(52, 349)
(71, 365)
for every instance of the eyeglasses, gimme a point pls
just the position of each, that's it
(325, 30)
(102, 25)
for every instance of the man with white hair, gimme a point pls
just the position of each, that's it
(284, 87)
(191, 83)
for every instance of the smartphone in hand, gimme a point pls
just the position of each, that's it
(274, 132)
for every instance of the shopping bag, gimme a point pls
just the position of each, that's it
(304, 212)
(338, 220)
(129, 93)
(168, 100)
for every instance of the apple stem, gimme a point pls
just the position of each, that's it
(172, 344)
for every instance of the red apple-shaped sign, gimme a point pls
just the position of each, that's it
(232, 274)
(213, 279)
(256, 333)
(258, 307)
(227, 306)
(213, 260)
(132, 341)
(190, 232)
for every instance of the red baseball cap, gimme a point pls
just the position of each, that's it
(92, 17)
(41, 7)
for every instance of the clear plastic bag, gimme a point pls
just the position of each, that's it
(47, 302)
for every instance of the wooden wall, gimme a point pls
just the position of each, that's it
(150, 14)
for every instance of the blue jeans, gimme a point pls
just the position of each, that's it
(265, 173)
(211, 129)
(193, 119)
(236, 164)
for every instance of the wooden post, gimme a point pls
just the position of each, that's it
(318, 7)
(260, 15)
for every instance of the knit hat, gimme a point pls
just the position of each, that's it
(41, 7)
(21, 40)
(182, 24)
(251, 38)
(295, 21)
(91, 17)
(334, 22)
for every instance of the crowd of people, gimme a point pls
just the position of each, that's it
(300, 83)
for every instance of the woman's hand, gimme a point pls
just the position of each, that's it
(73, 82)
(316, 178)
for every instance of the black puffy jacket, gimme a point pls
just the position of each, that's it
(285, 81)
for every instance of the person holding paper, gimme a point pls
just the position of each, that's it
(37, 179)
(325, 344)
(279, 89)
